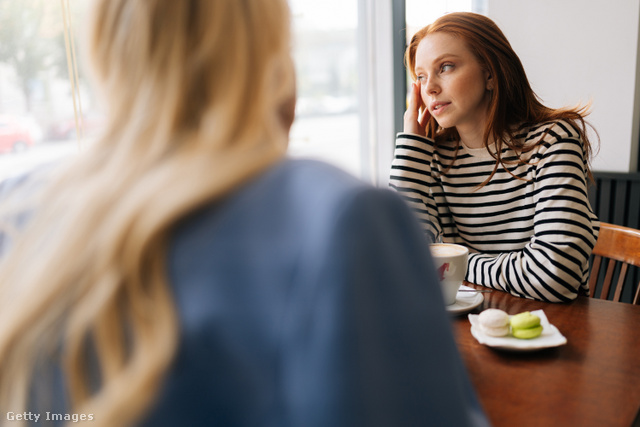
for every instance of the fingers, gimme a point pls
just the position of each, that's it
(424, 116)
(416, 116)
(414, 98)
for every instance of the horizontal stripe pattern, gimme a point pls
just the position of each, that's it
(531, 237)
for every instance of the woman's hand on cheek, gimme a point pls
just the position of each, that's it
(417, 115)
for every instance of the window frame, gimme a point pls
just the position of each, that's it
(382, 98)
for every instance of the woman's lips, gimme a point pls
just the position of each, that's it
(438, 107)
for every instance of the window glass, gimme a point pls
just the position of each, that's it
(326, 59)
(36, 103)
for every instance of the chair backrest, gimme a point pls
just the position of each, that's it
(621, 246)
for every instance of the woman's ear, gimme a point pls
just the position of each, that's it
(287, 109)
(489, 80)
(287, 112)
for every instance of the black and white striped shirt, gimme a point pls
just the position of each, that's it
(532, 236)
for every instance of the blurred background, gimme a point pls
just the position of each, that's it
(49, 112)
(351, 78)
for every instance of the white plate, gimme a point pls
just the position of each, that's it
(465, 301)
(550, 337)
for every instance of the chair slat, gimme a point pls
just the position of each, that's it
(620, 284)
(608, 278)
(595, 270)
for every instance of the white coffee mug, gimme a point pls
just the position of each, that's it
(450, 261)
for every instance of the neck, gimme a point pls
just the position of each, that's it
(471, 131)
(473, 138)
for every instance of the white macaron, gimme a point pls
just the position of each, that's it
(494, 322)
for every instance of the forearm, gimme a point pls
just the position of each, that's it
(553, 265)
(411, 177)
(536, 272)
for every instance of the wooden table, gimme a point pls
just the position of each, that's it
(593, 380)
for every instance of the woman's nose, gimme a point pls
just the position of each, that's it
(432, 86)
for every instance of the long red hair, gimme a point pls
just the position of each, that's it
(513, 104)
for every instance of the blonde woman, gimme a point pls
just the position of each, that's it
(183, 272)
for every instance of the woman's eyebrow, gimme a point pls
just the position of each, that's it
(437, 60)
(445, 55)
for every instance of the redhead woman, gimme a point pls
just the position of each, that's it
(485, 164)
(183, 272)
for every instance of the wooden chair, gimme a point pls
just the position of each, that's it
(621, 246)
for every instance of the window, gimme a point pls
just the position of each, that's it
(348, 56)
(36, 102)
(351, 78)
(36, 92)
(325, 52)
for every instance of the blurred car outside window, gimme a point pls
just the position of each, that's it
(17, 134)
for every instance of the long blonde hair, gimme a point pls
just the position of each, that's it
(195, 91)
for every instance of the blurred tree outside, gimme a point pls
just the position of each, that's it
(34, 75)
(31, 42)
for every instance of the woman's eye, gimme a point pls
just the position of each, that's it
(446, 67)
(421, 79)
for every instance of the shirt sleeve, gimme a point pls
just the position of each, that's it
(411, 178)
(369, 340)
(553, 266)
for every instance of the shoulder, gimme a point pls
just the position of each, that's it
(412, 138)
(550, 137)
(412, 143)
(321, 190)
(298, 198)
(417, 146)
(548, 132)
(304, 182)
(315, 173)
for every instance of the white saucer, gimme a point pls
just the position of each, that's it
(550, 337)
(465, 301)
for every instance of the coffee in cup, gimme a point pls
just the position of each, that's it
(450, 261)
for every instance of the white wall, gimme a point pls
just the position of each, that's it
(576, 51)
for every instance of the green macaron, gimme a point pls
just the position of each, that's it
(525, 326)
(527, 333)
